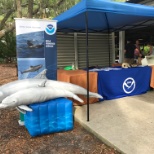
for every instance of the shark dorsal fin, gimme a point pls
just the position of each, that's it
(41, 75)
(42, 84)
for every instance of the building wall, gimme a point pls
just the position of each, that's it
(71, 49)
(145, 2)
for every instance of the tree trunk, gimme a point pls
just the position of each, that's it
(19, 10)
(30, 8)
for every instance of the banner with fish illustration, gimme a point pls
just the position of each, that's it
(36, 47)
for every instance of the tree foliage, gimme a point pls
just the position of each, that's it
(8, 47)
(10, 9)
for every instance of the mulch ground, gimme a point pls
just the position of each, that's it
(15, 139)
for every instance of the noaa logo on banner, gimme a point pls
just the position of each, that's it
(50, 29)
(129, 85)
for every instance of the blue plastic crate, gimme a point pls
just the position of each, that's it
(50, 117)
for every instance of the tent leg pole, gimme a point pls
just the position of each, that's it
(108, 39)
(87, 63)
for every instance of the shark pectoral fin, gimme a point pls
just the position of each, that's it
(20, 110)
(25, 108)
(42, 84)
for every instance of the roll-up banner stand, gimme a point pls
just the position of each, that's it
(36, 49)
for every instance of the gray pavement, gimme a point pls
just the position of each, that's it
(126, 124)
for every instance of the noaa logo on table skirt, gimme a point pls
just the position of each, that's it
(50, 29)
(129, 85)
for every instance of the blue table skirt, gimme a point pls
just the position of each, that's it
(123, 82)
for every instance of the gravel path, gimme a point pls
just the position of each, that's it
(15, 139)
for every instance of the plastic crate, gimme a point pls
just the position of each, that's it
(50, 117)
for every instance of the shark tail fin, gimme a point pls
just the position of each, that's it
(91, 94)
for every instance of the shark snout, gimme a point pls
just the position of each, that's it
(3, 106)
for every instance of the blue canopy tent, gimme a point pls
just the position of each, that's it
(103, 16)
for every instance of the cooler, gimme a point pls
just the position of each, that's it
(50, 117)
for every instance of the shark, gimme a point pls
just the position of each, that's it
(34, 46)
(40, 81)
(35, 95)
(14, 86)
(32, 69)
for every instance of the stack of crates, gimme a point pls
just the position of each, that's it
(49, 117)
